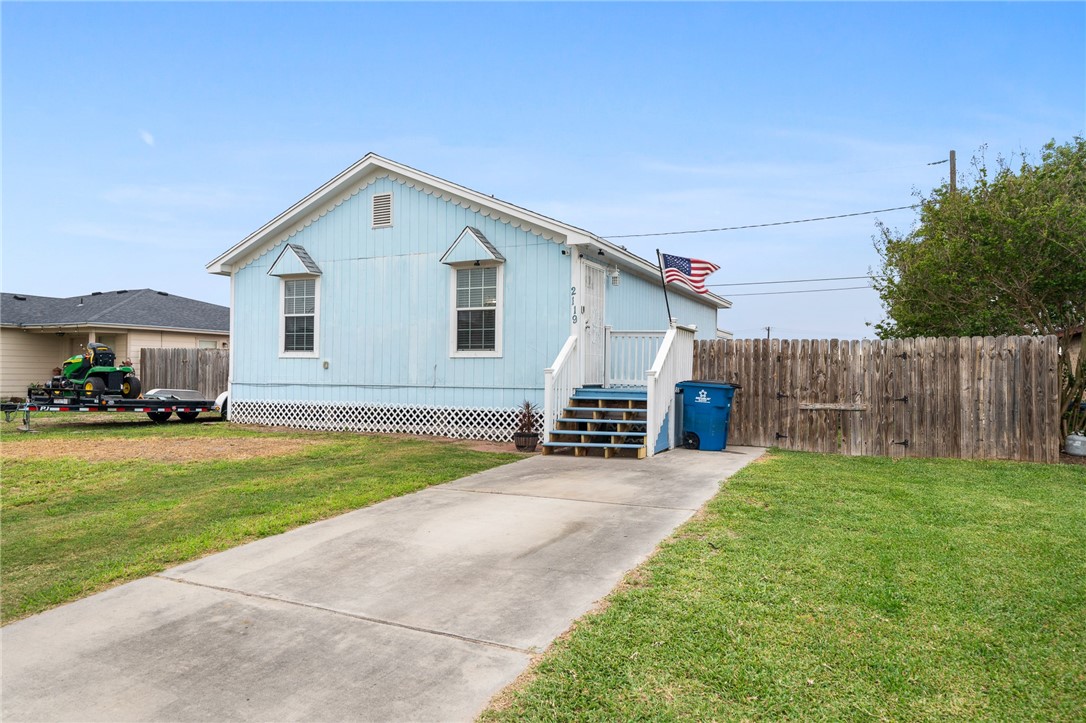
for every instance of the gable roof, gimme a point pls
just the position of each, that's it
(138, 308)
(373, 165)
(294, 260)
(471, 245)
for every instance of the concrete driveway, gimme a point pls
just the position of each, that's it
(418, 608)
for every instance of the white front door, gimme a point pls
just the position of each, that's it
(595, 290)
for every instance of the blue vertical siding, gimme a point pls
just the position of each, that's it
(637, 304)
(385, 310)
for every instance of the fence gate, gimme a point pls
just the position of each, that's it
(970, 397)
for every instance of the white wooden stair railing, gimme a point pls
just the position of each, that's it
(674, 363)
(629, 354)
(563, 376)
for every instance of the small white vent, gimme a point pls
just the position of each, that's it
(382, 210)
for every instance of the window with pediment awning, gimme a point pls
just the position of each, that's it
(475, 324)
(299, 288)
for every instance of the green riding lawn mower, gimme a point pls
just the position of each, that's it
(92, 374)
(91, 382)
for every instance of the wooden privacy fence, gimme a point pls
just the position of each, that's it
(975, 398)
(206, 370)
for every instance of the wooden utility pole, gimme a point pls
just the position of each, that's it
(953, 172)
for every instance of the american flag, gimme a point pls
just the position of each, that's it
(691, 272)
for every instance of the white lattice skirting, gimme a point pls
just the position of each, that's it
(496, 425)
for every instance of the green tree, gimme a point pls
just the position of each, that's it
(1003, 254)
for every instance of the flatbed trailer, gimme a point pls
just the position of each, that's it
(158, 404)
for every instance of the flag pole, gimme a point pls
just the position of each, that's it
(663, 284)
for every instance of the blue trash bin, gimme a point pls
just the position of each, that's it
(706, 411)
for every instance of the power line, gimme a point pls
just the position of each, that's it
(792, 281)
(803, 291)
(762, 225)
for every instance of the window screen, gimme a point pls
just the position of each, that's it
(476, 305)
(299, 312)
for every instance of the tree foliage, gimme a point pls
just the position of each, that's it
(1003, 254)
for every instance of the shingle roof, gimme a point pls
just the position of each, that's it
(372, 166)
(305, 258)
(486, 242)
(135, 308)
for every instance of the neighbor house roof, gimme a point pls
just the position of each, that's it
(373, 166)
(137, 308)
(1072, 332)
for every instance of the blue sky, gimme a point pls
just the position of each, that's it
(142, 140)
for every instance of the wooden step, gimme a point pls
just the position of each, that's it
(600, 445)
(607, 405)
(585, 408)
(619, 409)
(600, 420)
(581, 449)
(585, 432)
(611, 394)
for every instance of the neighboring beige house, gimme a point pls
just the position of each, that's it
(37, 333)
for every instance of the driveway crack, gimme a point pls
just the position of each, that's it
(344, 613)
(446, 488)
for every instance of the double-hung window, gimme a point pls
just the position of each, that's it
(475, 302)
(478, 311)
(299, 317)
(299, 301)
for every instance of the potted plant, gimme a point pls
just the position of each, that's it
(526, 438)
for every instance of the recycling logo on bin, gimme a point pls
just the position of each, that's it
(702, 397)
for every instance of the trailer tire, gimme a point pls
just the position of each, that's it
(131, 387)
(159, 417)
(187, 417)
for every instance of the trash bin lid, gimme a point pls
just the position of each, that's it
(716, 383)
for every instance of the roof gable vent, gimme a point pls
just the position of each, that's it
(382, 210)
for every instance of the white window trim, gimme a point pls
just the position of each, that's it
(281, 340)
(499, 309)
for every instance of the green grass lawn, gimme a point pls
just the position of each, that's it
(70, 527)
(827, 588)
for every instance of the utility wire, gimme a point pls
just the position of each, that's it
(763, 225)
(803, 291)
(792, 281)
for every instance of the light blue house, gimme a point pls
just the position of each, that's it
(390, 300)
